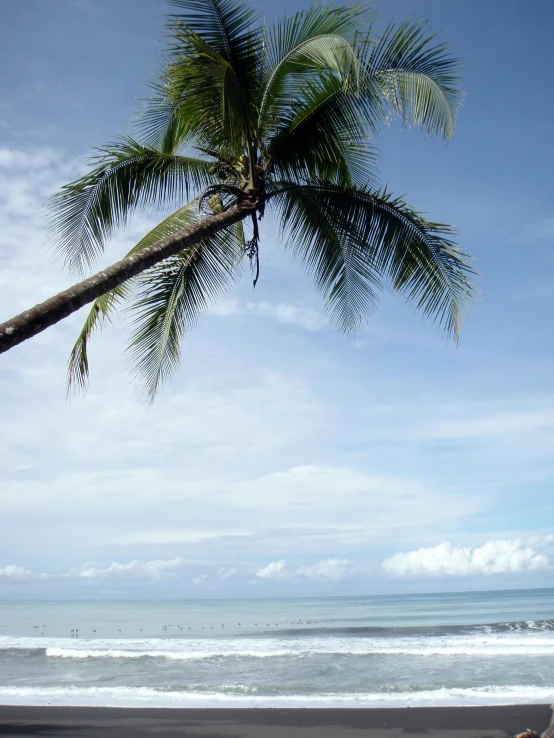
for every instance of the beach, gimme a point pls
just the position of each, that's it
(447, 722)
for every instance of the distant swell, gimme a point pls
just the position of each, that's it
(517, 626)
(529, 638)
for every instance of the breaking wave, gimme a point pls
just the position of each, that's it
(538, 643)
(238, 696)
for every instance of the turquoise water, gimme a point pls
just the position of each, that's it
(466, 648)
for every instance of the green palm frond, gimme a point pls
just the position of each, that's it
(172, 296)
(341, 273)
(229, 27)
(216, 62)
(416, 77)
(384, 239)
(78, 365)
(156, 116)
(85, 213)
(207, 94)
(325, 53)
(160, 124)
(317, 39)
(323, 137)
(320, 19)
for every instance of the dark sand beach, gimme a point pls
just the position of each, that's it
(428, 722)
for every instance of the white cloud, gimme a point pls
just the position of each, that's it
(494, 557)
(274, 570)
(300, 316)
(333, 569)
(318, 497)
(329, 569)
(303, 317)
(27, 178)
(40, 158)
(175, 570)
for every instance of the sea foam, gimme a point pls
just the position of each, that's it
(146, 697)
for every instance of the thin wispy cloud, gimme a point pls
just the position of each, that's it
(542, 229)
(309, 319)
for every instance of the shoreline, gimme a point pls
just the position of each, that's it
(499, 721)
(146, 698)
(234, 705)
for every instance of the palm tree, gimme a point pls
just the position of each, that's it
(244, 121)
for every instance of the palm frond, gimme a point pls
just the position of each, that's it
(217, 50)
(384, 239)
(229, 27)
(161, 124)
(172, 296)
(78, 366)
(322, 136)
(156, 115)
(85, 213)
(320, 38)
(205, 90)
(417, 78)
(347, 281)
(320, 19)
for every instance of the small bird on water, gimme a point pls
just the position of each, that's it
(548, 733)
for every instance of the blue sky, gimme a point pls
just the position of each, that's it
(283, 459)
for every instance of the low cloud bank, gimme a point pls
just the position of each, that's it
(178, 568)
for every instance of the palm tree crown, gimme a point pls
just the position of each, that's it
(278, 119)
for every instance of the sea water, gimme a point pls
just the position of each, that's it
(437, 649)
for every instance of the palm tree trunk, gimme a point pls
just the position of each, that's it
(42, 316)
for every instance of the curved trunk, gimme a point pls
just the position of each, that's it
(51, 311)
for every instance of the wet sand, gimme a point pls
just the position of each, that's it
(417, 722)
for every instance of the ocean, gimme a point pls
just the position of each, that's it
(381, 651)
